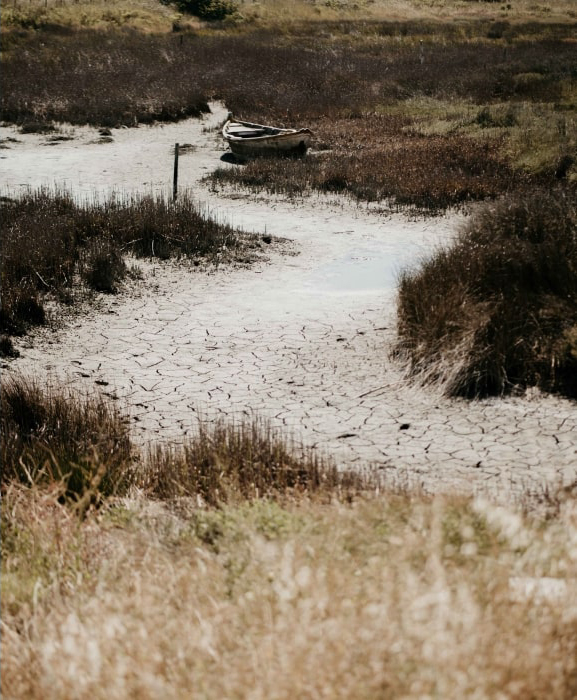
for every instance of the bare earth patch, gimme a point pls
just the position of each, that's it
(303, 340)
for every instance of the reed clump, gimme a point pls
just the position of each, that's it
(498, 309)
(230, 463)
(52, 245)
(53, 437)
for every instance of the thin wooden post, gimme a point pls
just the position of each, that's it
(175, 178)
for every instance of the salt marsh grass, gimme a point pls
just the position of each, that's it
(342, 77)
(231, 463)
(497, 310)
(79, 446)
(53, 247)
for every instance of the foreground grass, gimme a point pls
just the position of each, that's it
(298, 580)
(498, 309)
(390, 596)
(54, 247)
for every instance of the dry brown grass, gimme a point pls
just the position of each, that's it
(52, 244)
(54, 437)
(498, 309)
(225, 463)
(392, 596)
(152, 16)
(330, 585)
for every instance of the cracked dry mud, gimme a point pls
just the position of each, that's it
(302, 340)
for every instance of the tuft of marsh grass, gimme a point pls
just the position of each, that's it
(498, 309)
(51, 436)
(7, 348)
(50, 242)
(54, 436)
(231, 463)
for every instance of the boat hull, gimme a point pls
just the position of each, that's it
(284, 142)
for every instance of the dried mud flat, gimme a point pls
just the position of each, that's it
(302, 339)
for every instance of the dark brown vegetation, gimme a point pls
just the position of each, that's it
(499, 308)
(230, 462)
(53, 437)
(50, 243)
(355, 84)
(206, 9)
(124, 77)
(82, 446)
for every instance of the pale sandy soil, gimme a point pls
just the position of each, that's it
(302, 340)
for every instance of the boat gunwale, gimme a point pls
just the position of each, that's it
(282, 134)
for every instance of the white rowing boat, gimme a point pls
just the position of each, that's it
(248, 140)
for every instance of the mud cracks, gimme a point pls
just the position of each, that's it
(301, 340)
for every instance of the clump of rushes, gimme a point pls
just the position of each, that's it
(230, 463)
(52, 436)
(49, 240)
(499, 308)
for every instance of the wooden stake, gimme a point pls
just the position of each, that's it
(175, 178)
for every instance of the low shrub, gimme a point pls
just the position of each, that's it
(7, 348)
(53, 436)
(208, 9)
(104, 267)
(227, 463)
(498, 309)
(48, 239)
